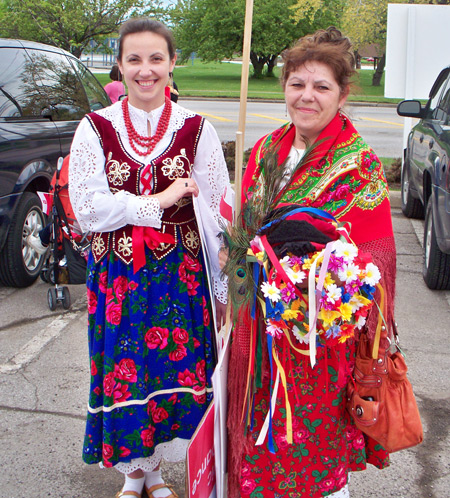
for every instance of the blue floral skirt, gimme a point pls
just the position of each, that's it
(151, 354)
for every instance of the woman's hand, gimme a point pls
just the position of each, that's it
(223, 257)
(221, 313)
(181, 187)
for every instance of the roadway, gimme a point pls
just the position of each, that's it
(380, 126)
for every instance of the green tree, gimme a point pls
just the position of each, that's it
(68, 24)
(365, 22)
(215, 30)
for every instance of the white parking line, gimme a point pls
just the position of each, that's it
(33, 347)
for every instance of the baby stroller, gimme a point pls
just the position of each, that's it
(66, 260)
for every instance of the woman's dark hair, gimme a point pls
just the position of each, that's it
(141, 25)
(328, 46)
(114, 74)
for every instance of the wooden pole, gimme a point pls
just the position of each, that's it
(240, 134)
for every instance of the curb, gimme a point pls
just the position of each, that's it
(395, 197)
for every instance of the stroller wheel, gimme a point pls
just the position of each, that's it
(51, 299)
(51, 274)
(45, 271)
(66, 298)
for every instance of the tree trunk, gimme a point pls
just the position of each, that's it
(271, 63)
(77, 51)
(377, 75)
(357, 59)
(258, 64)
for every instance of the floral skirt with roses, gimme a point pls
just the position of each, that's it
(326, 444)
(151, 355)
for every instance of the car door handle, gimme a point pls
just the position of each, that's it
(431, 143)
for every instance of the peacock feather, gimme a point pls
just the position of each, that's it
(258, 209)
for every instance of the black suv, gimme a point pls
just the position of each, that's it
(426, 177)
(44, 92)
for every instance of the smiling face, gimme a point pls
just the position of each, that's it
(313, 97)
(145, 65)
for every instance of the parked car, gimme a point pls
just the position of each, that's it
(426, 177)
(44, 92)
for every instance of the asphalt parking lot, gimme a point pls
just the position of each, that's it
(44, 381)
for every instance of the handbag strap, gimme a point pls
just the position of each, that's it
(381, 330)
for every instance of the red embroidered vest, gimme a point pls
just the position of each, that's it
(125, 173)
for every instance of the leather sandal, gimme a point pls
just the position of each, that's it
(150, 490)
(122, 493)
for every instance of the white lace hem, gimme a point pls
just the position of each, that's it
(173, 451)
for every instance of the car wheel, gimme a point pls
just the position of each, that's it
(20, 264)
(411, 207)
(436, 264)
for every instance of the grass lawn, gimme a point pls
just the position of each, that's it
(224, 80)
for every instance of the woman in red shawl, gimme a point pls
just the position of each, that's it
(344, 177)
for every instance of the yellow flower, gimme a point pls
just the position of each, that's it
(307, 264)
(328, 280)
(363, 300)
(260, 256)
(290, 314)
(346, 311)
(319, 257)
(328, 316)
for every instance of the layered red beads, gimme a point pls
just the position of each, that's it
(148, 143)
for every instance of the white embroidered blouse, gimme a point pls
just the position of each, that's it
(99, 210)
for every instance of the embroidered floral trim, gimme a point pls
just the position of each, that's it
(118, 173)
(175, 167)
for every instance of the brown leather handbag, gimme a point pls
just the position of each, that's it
(380, 399)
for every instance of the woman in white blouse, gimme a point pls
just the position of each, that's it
(147, 177)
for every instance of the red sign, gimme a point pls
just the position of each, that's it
(200, 463)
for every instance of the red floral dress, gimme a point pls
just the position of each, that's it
(346, 179)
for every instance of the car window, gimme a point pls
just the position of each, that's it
(435, 109)
(443, 108)
(440, 111)
(94, 91)
(18, 89)
(57, 86)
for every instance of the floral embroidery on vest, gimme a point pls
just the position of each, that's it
(118, 172)
(175, 167)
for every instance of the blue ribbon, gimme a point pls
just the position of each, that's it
(270, 436)
(316, 211)
(255, 287)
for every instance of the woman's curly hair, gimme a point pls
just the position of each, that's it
(328, 46)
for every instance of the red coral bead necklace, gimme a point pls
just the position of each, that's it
(148, 142)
